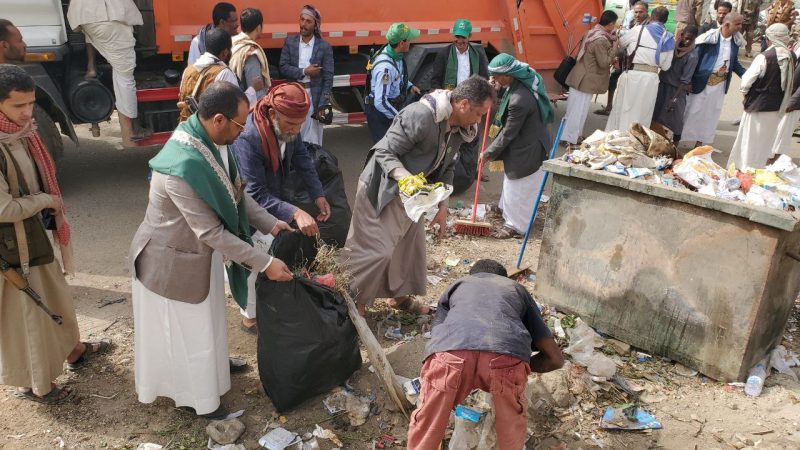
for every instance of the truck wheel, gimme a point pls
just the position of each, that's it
(49, 132)
(348, 99)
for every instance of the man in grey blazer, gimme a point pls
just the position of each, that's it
(308, 59)
(385, 249)
(197, 216)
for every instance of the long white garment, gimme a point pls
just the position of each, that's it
(81, 12)
(261, 242)
(783, 140)
(634, 100)
(115, 41)
(517, 199)
(463, 71)
(578, 103)
(311, 130)
(702, 114)
(181, 349)
(755, 139)
(304, 57)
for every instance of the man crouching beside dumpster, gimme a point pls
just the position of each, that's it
(485, 329)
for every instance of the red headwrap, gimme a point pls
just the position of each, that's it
(290, 100)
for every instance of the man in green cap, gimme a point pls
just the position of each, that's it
(520, 138)
(459, 60)
(388, 80)
(453, 64)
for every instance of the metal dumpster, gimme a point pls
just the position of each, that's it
(707, 282)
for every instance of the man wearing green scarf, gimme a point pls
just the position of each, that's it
(198, 216)
(458, 61)
(389, 84)
(520, 138)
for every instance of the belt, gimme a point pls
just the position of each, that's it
(645, 68)
(715, 79)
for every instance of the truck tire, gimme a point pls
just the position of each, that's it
(49, 132)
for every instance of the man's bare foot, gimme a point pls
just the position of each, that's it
(249, 325)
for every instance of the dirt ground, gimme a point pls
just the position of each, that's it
(695, 412)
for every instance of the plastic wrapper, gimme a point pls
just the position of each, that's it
(758, 196)
(618, 169)
(635, 172)
(601, 161)
(596, 138)
(782, 164)
(767, 178)
(699, 170)
(423, 200)
(790, 194)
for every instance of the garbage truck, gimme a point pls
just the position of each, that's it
(539, 32)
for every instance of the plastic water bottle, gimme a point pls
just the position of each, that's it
(755, 379)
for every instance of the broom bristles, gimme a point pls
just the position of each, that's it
(473, 228)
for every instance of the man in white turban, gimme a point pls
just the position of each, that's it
(767, 87)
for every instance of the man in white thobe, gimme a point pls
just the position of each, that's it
(767, 88)
(108, 27)
(718, 58)
(652, 47)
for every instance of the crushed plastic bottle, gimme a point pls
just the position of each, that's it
(755, 379)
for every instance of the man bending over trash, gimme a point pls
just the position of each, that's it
(485, 329)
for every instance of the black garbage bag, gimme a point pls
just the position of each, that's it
(294, 248)
(466, 167)
(307, 343)
(334, 230)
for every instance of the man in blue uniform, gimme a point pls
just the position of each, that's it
(389, 83)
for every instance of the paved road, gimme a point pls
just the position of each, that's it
(106, 189)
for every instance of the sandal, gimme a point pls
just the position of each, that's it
(253, 329)
(412, 306)
(506, 233)
(56, 395)
(602, 112)
(103, 346)
(218, 414)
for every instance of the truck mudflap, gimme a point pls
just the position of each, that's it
(48, 96)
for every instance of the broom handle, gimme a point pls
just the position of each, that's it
(541, 191)
(480, 168)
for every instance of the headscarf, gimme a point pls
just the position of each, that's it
(780, 37)
(10, 132)
(665, 41)
(598, 32)
(309, 10)
(523, 74)
(289, 99)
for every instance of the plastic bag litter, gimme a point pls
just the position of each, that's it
(417, 204)
(758, 196)
(699, 170)
(581, 343)
(595, 138)
(783, 360)
(628, 417)
(601, 161)
(783, 164)
(601, 366)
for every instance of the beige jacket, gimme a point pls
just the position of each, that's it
(171, 251)
(592, 71)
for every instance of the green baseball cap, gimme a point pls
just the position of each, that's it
(462, 28)
(400, 32)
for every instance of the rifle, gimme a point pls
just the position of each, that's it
(12, 276)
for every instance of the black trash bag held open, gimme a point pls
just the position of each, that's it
(307, 343)
(334, 230)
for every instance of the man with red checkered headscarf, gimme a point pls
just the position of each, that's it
(268, 150)
(33, 345)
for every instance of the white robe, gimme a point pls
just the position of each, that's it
(517, 199)
(578, 103)
(759, 132)
(181, 349)
(311, 130)
(635, 97)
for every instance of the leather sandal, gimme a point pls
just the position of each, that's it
(412, 306)
(103, 346)
(57, 395)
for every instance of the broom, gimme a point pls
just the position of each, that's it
(471, 227)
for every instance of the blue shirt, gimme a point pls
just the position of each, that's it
(386, 83)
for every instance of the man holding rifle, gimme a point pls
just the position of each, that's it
(38, 326)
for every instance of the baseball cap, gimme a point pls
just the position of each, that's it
(462, 28)
(400, 32)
